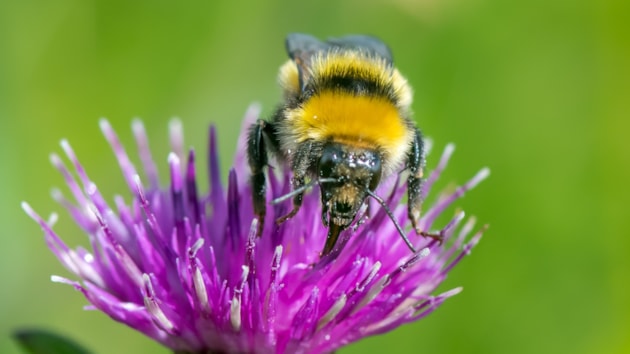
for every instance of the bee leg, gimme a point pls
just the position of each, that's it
(257, 157)
(325, 208)
(415, 163)
(297, 201)
(301, 164)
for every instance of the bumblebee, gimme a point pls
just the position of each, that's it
(345, 125)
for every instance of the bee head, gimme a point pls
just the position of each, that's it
(352, 171)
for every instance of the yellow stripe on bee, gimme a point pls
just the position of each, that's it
(289, 79)
(353, 63)
(364, 121)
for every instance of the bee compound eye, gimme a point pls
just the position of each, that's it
(326, 166)
(328, 161)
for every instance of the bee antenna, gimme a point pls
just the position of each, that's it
(301, 189)
(391, 216)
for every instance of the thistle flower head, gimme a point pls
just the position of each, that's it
(186, 268)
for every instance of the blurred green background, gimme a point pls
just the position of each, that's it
(539, 91)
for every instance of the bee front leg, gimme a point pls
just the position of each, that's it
(298, 182)
(301, 163)
(415, 163)
(257, 157)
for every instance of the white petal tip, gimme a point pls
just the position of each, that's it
(91, 188)
(484, 173)
(173, 158)
(196, 246)
(137, 125)
(245, 272)
(61, 280)
(104, 124)
(452, 292)
(424, 252)
(254, 108)
(26, 207)
(175, 123)
(479, 177)
(277, 253)
(56, 194)
(54, 159)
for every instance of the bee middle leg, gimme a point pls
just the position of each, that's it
(415, 163)
(257, 157)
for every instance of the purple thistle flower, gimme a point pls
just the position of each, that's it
(186, 269)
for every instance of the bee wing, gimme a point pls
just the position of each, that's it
(301, 49)
(369, 44)
(300, 45)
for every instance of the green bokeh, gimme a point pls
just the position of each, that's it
(539, 91)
